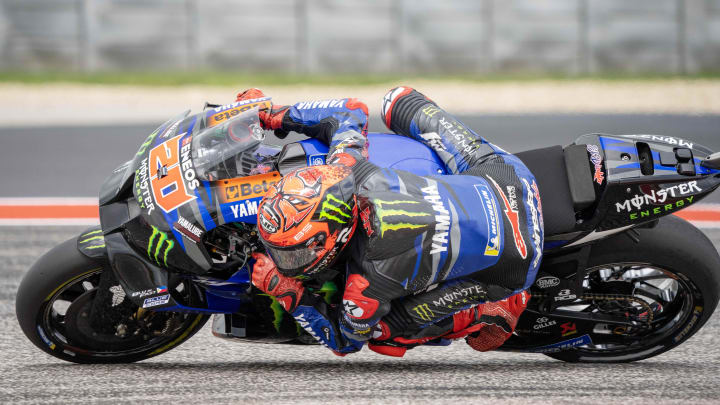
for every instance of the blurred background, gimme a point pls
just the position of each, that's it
(367, 37)
(82, 82)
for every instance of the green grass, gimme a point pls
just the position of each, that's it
(215, 78)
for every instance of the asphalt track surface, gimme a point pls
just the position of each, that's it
(209, 370)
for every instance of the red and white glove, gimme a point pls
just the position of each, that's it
(499, 320)
(269, 119)
(265, 276)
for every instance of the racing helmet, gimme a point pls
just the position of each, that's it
(306, 219)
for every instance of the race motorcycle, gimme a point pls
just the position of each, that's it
(621, 279)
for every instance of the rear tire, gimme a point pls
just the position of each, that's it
(679, 248)
(62, 270)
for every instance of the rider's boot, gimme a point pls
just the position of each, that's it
(387, 342)
(408, 112)
(485, 327)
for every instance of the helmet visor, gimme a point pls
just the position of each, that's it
(294, 260)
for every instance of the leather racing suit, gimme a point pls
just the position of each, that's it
(444, 244)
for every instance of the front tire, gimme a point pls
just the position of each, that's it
(56, 295)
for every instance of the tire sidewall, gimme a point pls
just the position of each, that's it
(676, 246)
(50, 274)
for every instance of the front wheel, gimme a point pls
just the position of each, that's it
(665, 288)
(56, 309)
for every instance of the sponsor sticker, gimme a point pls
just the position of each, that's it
(564, 345)
(143, 293)
(246, 188)
(512, 214)
(143, 194)
(442, 219)
(352, 309)
(544, 322)
(534, 214)
(367, 224)
(331, 103)
(662, 138)
(247, 208)
(397, 215)
(492, 248)
(434, 140)
(424, 312)
(568, 328)
(156, 301)
(565, 295)
(654, 202)
(460, 297)
(188, 229)
(547, 282)
(226, 112)
(159, 245)
(596, 160)
(316, 160)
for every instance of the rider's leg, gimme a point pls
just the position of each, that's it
(485, 326)
(408, 112)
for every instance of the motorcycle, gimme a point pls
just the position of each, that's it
(621, 280)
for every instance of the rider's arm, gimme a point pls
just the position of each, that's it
(310, 310)
(339, 123)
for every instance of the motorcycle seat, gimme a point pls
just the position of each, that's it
(551, 173)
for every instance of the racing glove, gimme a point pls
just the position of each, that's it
(309, 310)
(286, 290)
(269, 119)
(498, 321)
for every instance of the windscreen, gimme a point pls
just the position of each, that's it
(217, 151)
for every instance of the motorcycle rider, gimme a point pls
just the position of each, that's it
(460, 249)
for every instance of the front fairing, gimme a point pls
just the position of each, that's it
(156, 207)
(180, 193)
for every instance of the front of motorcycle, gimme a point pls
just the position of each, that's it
(177, 229)
(178, 226)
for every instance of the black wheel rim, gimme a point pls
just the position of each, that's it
(54, 324)
(671, 297)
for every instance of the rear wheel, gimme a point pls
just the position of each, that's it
(55, 304)
(664, 292)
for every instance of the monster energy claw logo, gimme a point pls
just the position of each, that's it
(334, 209)
(92, 240)
(424, 312)
(147, 143)
(382, 211)
(159, 242)
(278, 312)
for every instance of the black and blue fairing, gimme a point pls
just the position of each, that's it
(143, 240)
